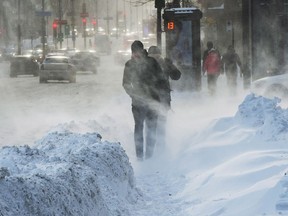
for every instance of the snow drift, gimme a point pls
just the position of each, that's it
(235, 166)
(66, 174)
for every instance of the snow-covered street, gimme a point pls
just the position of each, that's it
(225, 156)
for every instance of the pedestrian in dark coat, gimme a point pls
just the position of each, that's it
(143, 80)
(230, 62)
(170, 72)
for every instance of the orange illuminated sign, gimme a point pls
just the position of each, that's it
(170, 25)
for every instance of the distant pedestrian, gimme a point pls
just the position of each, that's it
(143, 80)
(230, 62)
(170, 72)
(211, 66)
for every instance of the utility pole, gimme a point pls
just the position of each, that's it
(60, 37)
(131, 16)
(43, 31)
(84, 15)
(19, 31)
(117, 20)
(159, 4)
(137, 20)
(247, 47)
(125, 20)
(73, 23)
(96, 16)
(108, 19)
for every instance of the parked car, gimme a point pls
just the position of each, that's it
(57, 68)
(272, 86)
(86, 60)
(23, 65)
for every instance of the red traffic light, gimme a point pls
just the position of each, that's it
(54, 25)
(84, 20)
(94, 22)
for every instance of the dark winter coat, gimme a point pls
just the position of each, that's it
(230, 61)
(143, 80)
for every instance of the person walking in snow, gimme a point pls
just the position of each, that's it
(170, 72)
(230, 62)
(143, 80)
(212, 66)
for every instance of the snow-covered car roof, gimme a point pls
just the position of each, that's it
(271, 86)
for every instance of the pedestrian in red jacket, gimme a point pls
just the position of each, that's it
(211, 66)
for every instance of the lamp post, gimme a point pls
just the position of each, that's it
(19, 31)
(159, 4)
(96, 16)
(43, 31)
(73, 23)
(60, 37)
(125, 20)
(108, 19)
(117, 20)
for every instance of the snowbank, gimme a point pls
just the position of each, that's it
(235, 166)
(238, 165)
(66, 173)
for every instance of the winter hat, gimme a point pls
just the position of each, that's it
(154, 50)
(137, 46)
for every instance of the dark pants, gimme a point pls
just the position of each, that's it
(231, 81)
(143, 115)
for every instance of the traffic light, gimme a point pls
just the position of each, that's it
(55, 26)
(94, 24)
(84, 21)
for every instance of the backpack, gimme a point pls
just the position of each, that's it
(212, 62)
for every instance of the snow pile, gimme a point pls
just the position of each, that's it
(66, 174)
(266, 114)
(238, 165)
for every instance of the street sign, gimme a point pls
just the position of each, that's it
(84, 15)
(229, 25)
(43, 13)
(62, 22)
(67, 30)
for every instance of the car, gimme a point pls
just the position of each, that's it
(38, 54)
(102, 44)
(57, 68)
(271, 86)
(86, 60)
(55, 54)
(23, 65)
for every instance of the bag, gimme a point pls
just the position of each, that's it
(212, 62)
